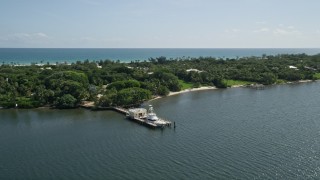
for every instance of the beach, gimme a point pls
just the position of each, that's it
(192, 89)
(185, 91)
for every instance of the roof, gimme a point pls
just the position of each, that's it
(195, 70)
(134, 110)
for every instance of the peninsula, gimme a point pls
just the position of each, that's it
(112, 83)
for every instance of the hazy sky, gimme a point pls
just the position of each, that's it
(160, 23)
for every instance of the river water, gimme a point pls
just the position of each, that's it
(236, 133)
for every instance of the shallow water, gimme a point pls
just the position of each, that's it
(234, 133)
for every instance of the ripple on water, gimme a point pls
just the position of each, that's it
(224, 134)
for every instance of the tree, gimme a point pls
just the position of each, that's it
(268, 78)
(66, 101)
(220, 83)
(108, 99)
(118, 85)
(131, 96)
(163, 90)
(161, 60)
(69, 82)
(167, 79)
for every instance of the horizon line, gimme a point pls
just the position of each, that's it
(159, 48)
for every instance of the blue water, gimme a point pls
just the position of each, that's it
(54, 55)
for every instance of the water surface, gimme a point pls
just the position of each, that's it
(69, 55)
(234, 133)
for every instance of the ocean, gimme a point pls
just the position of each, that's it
(69, 55)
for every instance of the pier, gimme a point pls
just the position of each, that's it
(160, 123)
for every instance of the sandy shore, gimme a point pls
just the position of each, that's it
(213, 88)
(185, 91)
(192, 89)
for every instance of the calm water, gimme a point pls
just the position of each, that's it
(52, 55)
(235, 133)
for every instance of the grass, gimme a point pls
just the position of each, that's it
(185, 85)
(280, 81)
(230, 82)
(316, 76)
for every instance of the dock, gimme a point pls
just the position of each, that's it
(161, 123)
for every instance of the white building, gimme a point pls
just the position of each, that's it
(292, 67)
(137, 113)
(194, 70)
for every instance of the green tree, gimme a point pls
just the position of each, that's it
(131, 96)
(108, 99)
(163, 90)
(167, 79)
(66, 101)
(268, 78)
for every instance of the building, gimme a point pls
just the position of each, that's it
(194, 70)
(293, 67)
(137, 113)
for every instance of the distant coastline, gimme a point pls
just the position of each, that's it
(27, 56)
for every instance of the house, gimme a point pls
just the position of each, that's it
(293, 67)
(309, 68)
(194, 70)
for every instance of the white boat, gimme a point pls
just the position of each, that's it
(152, 116)
(145, 116)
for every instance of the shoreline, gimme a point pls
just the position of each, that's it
(90, 104)
(215, 88)
(193, 89)
(185, 91)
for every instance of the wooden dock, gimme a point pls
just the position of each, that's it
(164, 123)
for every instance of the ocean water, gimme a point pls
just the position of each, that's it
(236, 133)
(54, 55)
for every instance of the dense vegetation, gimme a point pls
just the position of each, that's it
(110, 83)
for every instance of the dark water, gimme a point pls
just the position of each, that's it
(60, 55)
(235, 133)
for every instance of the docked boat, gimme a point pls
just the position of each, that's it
(154, 119)
(144, 116)
(152, 116)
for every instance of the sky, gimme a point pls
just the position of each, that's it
(159, 24)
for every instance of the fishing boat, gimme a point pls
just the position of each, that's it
(151, 115)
